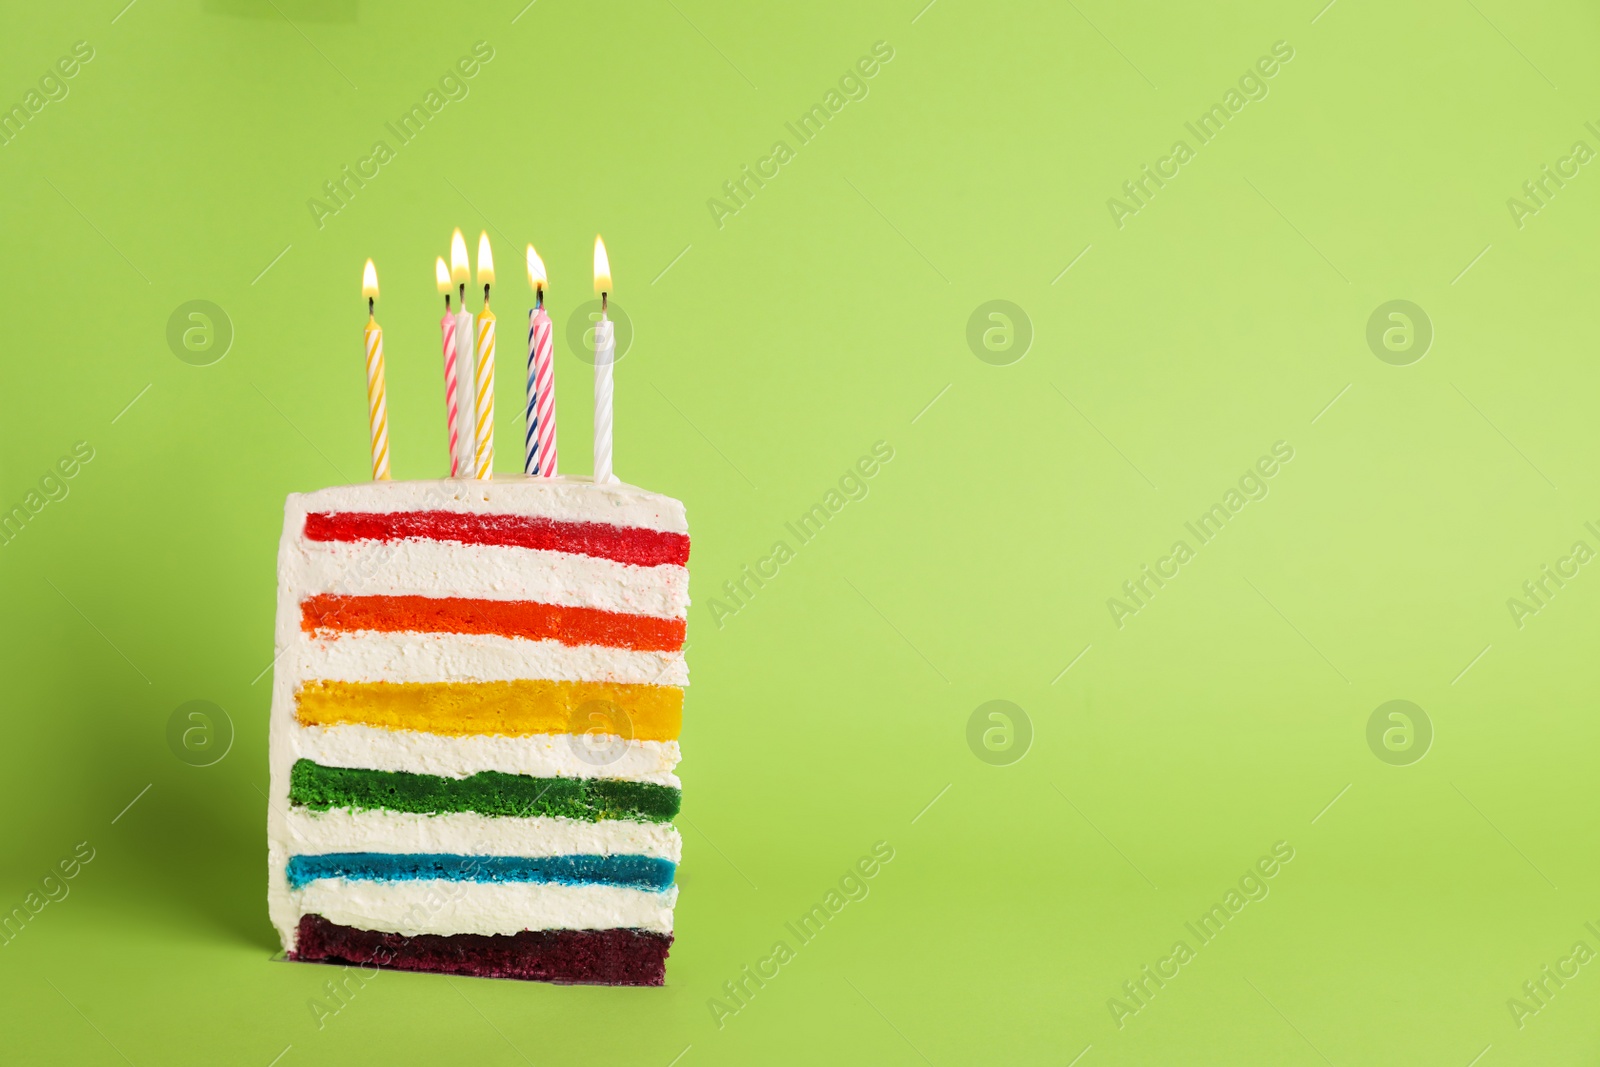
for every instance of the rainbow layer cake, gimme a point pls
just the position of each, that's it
(475, 719)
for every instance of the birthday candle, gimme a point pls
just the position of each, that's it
(447, 327)
(467, 419)
(485, 435)
(377, 412)
(604, 354)
(539, 444)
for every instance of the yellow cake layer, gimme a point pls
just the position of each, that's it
(516, 708)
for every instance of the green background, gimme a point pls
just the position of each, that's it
(831, 712)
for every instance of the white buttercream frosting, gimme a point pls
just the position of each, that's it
(487, 572)
(565, 499)
(373, 656)
(470, 834)
(444, 907)
(538, 755)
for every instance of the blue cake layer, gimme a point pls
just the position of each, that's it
(634, 872)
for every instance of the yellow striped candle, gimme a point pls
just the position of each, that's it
(485, 401)
(377, 408)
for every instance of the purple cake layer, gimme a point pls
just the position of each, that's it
(596, 957)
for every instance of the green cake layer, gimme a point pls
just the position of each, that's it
(486, 793)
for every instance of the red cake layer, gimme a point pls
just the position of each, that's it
(594, 957)
(505, 618)
(625, 544)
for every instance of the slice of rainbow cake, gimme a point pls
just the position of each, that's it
(475, 721)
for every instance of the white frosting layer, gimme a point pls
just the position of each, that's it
(486, 572)
(565, 499)
(467, 834)
(370, 656)
(540, 755)
(442, 907)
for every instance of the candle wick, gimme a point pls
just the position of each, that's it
(538, 296)
(447, 303)
(369, 306)
(602, 303)
(486, 295)
(463, 296)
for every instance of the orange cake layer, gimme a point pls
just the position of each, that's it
(512, 709)
(505, 618)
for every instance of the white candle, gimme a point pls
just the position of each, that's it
(604, 355)
(466, 376)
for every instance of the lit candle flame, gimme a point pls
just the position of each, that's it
(485, 260)
(602, 267)
(536, 276)
(441, 274)
(458, 258)
(369, 281)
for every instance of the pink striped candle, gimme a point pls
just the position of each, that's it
(452, 406)
(542, 452)
(539, 419)
(447, 327)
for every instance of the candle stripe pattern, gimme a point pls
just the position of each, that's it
(485, 434)
(451, 403)
(377, 406)
(542, 429)
(475, 721)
